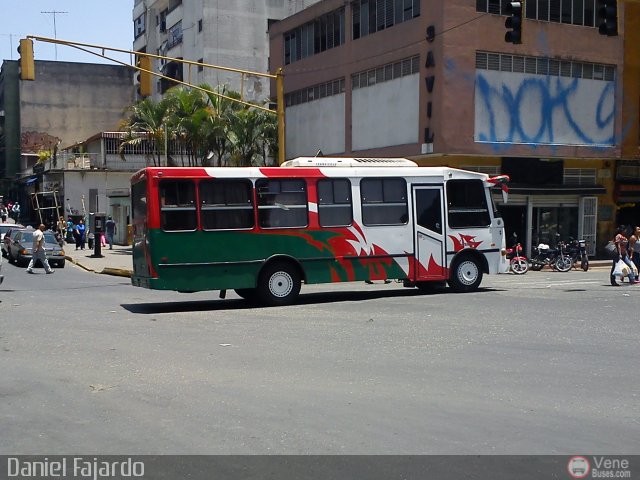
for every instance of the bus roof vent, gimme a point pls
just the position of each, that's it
(348, 162)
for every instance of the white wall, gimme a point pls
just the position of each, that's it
(78, 183)
(386, 114)
(316, 125)
(525, 108)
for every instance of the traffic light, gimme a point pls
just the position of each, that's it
(27, 64)
(608, 17)
(144, 77)
(513, 22)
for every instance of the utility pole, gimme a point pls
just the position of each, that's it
(10, 35)
(55, 33)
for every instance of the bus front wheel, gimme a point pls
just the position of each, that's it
(466, 275)
(279, 284)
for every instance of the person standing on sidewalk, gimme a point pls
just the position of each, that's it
(80, 234)
(110, 230)
(622, 244)
(37, 252)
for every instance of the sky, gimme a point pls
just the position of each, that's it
(106, 23)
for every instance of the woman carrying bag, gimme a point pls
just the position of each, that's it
(623, 256)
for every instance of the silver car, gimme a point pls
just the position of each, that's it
(20, 249)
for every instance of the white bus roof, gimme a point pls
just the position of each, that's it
(348, 162)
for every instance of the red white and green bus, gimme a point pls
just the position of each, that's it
(263, 231)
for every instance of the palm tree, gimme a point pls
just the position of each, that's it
(219, 124)
(148, 117)
(187, 114)
(253, 133)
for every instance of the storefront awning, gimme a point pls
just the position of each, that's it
(557, 189)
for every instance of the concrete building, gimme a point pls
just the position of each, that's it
(67, 103)
(224, 33)
(435, 81)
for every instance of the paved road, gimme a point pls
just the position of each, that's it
(545, 363)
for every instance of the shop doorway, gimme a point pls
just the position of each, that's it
(550, 221)
(515, 221)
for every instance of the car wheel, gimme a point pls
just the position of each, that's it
(466, 275)
(279, 284)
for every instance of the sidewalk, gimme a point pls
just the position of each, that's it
(113, 262)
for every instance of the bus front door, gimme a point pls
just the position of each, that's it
(429, 233)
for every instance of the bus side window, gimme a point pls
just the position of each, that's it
(282, 203)
(177, 205)
(334, 203)
(226, 204)
(467, 204)
(384, 201)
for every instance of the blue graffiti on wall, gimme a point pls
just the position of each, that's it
(505, 107)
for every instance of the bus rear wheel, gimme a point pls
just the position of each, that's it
(466, 275)
(279, 284)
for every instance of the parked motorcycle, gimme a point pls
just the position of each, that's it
(556, 258)
(518, 263)
(578, 251)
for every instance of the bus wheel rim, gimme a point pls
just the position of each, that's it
(468, 272)
(280, 284)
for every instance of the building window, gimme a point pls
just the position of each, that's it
(391, 71)
(334, 203)
(315, 92)
(467, 204)
(138, 26)
(579, 176)
(200, 25)
(163, 20)
(314, 37)
(282, 203)
(576, 12)
(201, 67)
(370, 16)
(492, 170)
(544, 66)
(384, 201)
(174, 36)
(226, 204)
(177, 205)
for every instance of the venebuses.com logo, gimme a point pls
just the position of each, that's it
(578, 467)
(599, 467)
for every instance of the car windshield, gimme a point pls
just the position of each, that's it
(49, 238)
(4, 229)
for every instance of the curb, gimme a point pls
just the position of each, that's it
(69, 259)
(118, 272)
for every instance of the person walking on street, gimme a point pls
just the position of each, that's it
(622, 244)
(3, 213)
(634, 247)
(37, 251)
(110, 230)
(80, 232)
